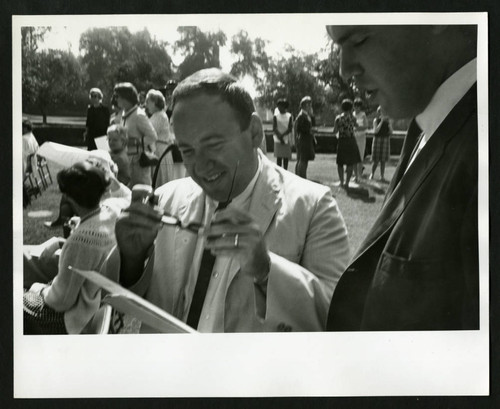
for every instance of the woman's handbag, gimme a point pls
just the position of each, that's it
(147, 159)
(176, 154)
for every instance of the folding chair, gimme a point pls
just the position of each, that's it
(44, 171)
(100, 322)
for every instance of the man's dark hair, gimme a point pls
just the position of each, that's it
(127, 91)
(27, 125)
(282, 102)
(358, 102)
(212, 81)
(346, 105)
(84, 183)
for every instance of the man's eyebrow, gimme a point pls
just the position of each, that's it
(344, 38)
(212, 138)
(347, 34)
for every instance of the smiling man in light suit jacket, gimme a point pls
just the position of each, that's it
(279, 241)
(418, 268)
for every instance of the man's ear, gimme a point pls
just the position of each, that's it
(256, 130)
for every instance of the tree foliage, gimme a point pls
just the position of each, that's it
(112, 55)
(30, 38)
(50, 77)
(200, 49)
(251, 55)
(293, 78)
(329, 73)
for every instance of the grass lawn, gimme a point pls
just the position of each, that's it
(359, 206)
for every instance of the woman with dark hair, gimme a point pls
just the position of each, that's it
(140, 132)
(97, 118)
(69, 302)
(305, 138)
(347, 149)
(116, 112)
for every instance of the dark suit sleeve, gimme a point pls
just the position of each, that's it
(303, 125)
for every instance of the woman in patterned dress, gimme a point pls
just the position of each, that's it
(347, 148)
(381, 145)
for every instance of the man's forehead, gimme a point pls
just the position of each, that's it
(198, 99)
(204, 110)
(341, 34)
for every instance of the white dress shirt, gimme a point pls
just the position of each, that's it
(444, 100)
(212, 313)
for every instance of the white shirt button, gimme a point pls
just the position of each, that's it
(216, 274)
(207, 316)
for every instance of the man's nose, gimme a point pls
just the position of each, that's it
(349, 64)
(202, 162)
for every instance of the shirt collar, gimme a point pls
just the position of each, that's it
(127, 113)
(446, 97)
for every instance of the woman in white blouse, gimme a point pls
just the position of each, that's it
(155, 105)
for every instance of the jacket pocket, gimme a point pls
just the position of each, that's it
(409, 294)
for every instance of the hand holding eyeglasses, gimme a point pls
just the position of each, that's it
(234, 233)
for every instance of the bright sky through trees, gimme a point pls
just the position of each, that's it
(298, 32)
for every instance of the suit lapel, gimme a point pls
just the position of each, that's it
(410, 182)
(264, 202)
(265, 197)
(190, 211)
(408, 147)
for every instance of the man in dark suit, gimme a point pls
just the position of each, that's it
(418, 267)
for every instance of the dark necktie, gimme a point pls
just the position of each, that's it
(200, 290)
(409, 145)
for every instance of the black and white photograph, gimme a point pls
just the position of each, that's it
(251, 205)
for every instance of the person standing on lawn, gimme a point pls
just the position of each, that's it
(360, 135)
(381, 145)
(418, 268)
(140, 132)
(97, 119)
(306, 142)
(282, 130)
(347, 149)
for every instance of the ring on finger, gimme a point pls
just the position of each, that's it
(236, 240)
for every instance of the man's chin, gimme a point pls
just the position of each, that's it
(214, 192)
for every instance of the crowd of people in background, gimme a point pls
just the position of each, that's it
(350, 128)
(139, 122)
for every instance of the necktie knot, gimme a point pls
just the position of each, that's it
(222, 205)
(412, 136)
(414, 132)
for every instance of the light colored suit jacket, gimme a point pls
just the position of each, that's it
(304, 232)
